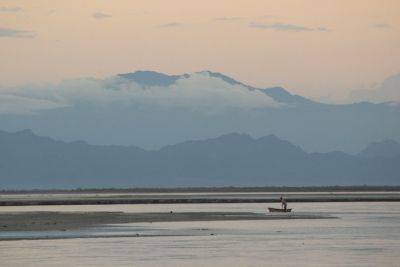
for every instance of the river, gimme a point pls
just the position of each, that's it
(364, 234)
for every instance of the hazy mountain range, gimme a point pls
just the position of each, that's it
(152, 110)
(31, 161)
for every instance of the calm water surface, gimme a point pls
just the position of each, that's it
(366, 234)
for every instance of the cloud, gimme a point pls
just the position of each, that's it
(10, 9)
(51, 12)
(269, 16)
(388, 90)
(14, 33)
(381, 26)
(204, 93)
(197, 92)
(285, 27)
(170, 25)
(323, 29)
(20, 105)
(228, 19)
(280, 27)
(100, 15)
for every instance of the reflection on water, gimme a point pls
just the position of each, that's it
(367, 234)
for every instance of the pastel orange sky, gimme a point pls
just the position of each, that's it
(314, 48)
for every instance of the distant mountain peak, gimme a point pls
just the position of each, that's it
(278, 90)
(151, 78)
(270, 137)
(282, 95)
(234, 136)
(221, 76)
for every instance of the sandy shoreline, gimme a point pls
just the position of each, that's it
(63, 221)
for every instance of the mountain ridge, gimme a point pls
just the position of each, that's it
(229, 160)
(119, 111)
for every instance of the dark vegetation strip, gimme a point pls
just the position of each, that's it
(102, 201)
(356, 188)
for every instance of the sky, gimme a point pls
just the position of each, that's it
(320, 49)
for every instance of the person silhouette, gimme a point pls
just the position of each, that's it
(283, 202)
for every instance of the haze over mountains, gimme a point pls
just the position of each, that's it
(388, 91)
(31, 161)
(152, 110)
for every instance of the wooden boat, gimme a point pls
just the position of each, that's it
(279, 210)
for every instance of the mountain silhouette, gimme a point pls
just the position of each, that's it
(31, 161)
(151, 78)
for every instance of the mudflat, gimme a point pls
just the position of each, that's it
(63, 221)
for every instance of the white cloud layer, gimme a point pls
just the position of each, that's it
(199, 92)
(19, 105)
(388, 91)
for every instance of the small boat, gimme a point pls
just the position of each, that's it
(279, 210)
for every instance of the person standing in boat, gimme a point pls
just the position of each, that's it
(284, 203)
